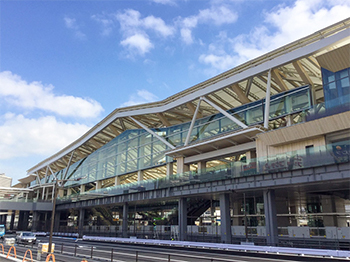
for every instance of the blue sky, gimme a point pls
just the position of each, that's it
(65, 65)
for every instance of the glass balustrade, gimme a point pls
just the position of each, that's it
(334, 153)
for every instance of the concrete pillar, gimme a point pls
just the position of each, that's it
(181, 167)
(47, 222)
(3, 218)
(25, 220)
(82, 188)
(270, 217)
(289, 120)
(125, 220)
(333, 204)
(225, 218)
(139, 176)
(60, 192)
(169, 169)
(182, 219)
(12, 219)
(35, 221)
(56, 226)
(202, 165)
(98, 184)
(212, 213)
(43, 194)
(81, 222)
(21, 222)
(69, 191)
(250, 155)
(117, 181)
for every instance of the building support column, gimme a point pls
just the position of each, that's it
(117, 181)
(25, 220)
(225, 218)
(12, 219)
(182, 219)
(60, 192)
(270, 217)
(81, 222)
(98, 184)
(56, 226)
(139, 176)
(125, 220)
(43, 194)
(202, 165)
(181, 167)
(4, 218)
(169, 169)
(82, 189)
(47, 220)
(21, 222)
(35, 221)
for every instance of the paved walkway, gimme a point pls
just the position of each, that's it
(4, 259)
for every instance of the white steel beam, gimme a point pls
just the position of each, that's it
(192, 122)
(267, 100)
(224, 113)
(70, 161)
(152, 132)
(52, 172)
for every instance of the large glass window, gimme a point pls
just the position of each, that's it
(137, 149)
(336, 87)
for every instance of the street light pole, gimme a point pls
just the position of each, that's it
(53, 215)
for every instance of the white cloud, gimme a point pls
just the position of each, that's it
(106, 22)
(35, 95)
(165, 2)
(221, 62)
(138, 43)
(141, 97)
(71, 23)
(134, 28)
(281, 26)
(217, 15)
(21, 136)
(158, 25)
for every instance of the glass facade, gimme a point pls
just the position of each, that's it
(335, 152)
(336, 87)
(137, 149)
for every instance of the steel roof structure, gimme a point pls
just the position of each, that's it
(291, 66)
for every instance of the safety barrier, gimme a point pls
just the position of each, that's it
(3, 251)
(201, 245)
(49, 256)
(14, 252)
(31, 256)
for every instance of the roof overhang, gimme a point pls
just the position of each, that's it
(241, 136)
(27, 179)
(317, 43)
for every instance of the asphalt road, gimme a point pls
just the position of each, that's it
(131, 253)
(70, 250)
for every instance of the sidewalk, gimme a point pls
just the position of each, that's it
(4, 259)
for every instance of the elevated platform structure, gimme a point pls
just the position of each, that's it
(265, 144)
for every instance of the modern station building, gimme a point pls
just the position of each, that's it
(259, 153)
